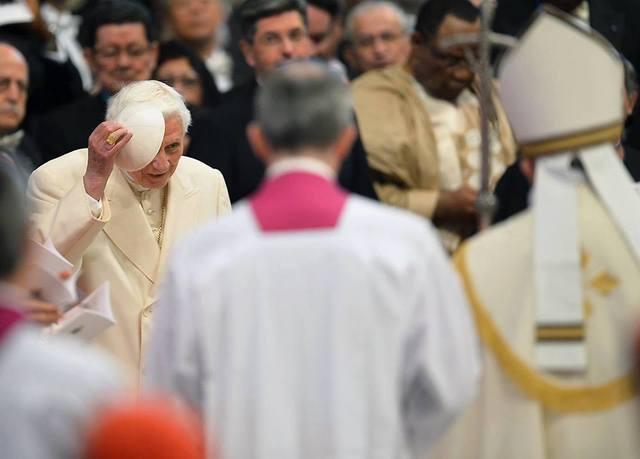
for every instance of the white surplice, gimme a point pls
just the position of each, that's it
(349, 342)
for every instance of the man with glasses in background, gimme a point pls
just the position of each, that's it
(118, 39)
(273, 33)
(420, 124)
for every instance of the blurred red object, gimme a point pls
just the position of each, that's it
(146, 429)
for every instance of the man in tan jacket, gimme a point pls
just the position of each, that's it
(420, 124)
(119, 226)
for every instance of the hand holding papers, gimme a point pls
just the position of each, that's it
(88, 318)
(51, 277)
(54, 283)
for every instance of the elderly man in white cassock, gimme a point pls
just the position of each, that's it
(555, 290)
(336, 327)
(116, 208)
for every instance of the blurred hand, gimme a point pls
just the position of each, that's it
(41, 312)
(102, 155)
(458, 204)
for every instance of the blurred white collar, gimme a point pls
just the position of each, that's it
(301, 164)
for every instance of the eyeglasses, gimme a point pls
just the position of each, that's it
(369, 41)
(186, 82)
(134, 51)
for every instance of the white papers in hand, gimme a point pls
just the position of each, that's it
(88, 318)
(52, 276)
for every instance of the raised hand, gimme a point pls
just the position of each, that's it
(105, 143)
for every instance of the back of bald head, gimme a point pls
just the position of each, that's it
(303, 104)
(9, 52)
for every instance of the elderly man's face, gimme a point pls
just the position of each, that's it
(195, 20)
(379, 40)
(159, 171)
(277, 39)
(122, 54)
(13, 89)
(179, 74)
(444, 73)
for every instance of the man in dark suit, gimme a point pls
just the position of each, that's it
(119, 43)
(273, 32)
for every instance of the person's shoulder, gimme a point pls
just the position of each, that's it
(511, 239)
(62, 169)
(218, 237)
(79, 107)
(225, 122)
(199, 171)
(238, 102)
(241, 92)
(58, 360)
(388, 223)
(392, 79)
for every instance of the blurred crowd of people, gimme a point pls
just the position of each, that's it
(280, 269)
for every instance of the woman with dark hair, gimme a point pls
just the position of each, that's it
(182, 69)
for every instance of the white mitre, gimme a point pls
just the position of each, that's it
(562, 88)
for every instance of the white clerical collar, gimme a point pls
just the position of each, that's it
(301, 164)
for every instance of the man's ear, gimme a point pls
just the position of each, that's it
(247, 52)
(153, 50)
(528, 168)
(350, 57)
(90, 58)
(417, 39)
(259, 143)
(344, 142)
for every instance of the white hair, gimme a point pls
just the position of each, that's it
(406, 24)
(161, 96)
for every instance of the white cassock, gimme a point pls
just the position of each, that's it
(51, 391)
(311, 324)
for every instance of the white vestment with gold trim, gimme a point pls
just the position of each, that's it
(514, 418)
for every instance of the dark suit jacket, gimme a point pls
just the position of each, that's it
(512, 190)
(219, 140)
(24, 157)
(68, 128)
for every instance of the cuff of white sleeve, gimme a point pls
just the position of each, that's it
(95, 206)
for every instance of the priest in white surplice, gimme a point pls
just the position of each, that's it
(555, 289)
(311, 323)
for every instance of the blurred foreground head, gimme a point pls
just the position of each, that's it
(303, 108)
(152, 429)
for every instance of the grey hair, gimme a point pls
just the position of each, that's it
(161, 96)
(13, 220)
(303, 104)
(405, 21)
